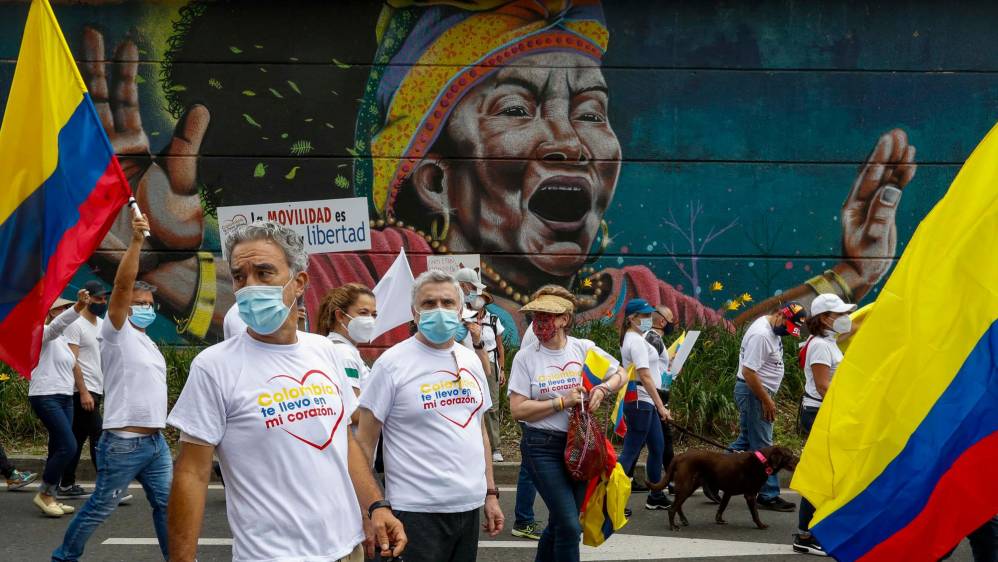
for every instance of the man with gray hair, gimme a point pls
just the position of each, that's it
(275, 404)
(132, 445)
(427, 395)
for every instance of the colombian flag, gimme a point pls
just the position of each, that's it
(62, 185)
(619, 425)
(901, 460)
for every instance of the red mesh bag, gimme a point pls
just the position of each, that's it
(585, 451)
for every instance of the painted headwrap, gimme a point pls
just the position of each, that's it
(421, 71)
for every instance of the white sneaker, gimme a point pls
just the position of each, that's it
(497, 456)
(125, 499)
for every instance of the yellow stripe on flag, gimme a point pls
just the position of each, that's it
(29, 149)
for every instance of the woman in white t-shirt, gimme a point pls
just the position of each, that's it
(544, 382)
(643, 414)
(51, 396)
(820, 357)
(346, 317)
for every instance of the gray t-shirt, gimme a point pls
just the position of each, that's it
(762, 351)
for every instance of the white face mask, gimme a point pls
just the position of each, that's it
(842, 325)
(360, 328)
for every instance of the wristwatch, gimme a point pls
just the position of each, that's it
(377, 505)
(479, 345)
(492, 492)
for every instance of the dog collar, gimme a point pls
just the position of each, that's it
(765, 463)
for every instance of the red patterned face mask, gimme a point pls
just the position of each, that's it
(544, 327)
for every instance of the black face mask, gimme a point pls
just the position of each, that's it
(668, 328)
(97, 308)
(781, 330)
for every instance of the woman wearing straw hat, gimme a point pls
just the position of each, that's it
(51, 397)
(545, 381)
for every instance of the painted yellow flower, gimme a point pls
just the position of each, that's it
(745, 297)
(734, 305)
(716, 286)
(587, 283)
(4, 377)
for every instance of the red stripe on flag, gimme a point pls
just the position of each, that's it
(963, 499)
(23, 326)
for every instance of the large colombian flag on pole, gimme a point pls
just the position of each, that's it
(901, 460)
(60, 185)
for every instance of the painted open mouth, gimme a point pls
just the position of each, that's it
(561, 199)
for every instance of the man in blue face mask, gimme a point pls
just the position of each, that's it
(132, 446)
(427, 396)
(277, 393)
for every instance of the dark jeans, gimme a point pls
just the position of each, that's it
(56, 413)
(668, 452)
(806, 513)
(119, 461)
(6, 468)
(643, 427)
(440, 537)
(526, 494)
(543, 453)
(754, 432)
(983, 542)
(86, 425)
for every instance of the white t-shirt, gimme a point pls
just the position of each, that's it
(539, 373)
(353, 365)
(488, 334)
(283, 453)
(54, 372)
(134, 378)
(762, 351)
(820, 351)
(232, 324)
(634, 350)
(434, 453)
(87, 336)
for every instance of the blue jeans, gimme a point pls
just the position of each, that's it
(806, 513)
(119, 461)
(526, 493)
(643, 427)
(754, 432)
(543, 453)
(56, 413)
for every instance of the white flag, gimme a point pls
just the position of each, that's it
(394, 295)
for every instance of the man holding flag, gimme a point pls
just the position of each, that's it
(62, 185)
(912, 414)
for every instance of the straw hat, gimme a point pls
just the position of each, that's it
(550, 304)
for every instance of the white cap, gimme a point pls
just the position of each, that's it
(828, 302)
(468, 275)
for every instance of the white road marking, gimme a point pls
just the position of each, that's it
(618, 547)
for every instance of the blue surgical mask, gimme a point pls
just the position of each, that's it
(644, 324)
(439, 325)
(462, 332)
(142, 316)
(262, 307)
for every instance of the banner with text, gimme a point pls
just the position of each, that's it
(330, 225)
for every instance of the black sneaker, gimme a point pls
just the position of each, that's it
(710, 493)
(74, 492)
(658, 502)
(628, 512)
(528, 531)
(810, 545)
(776, 504)
(637, 486)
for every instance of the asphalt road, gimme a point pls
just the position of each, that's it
(128, 534)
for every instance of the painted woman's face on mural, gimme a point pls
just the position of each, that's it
(531, 166)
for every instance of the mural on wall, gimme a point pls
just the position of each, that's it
(691, 175)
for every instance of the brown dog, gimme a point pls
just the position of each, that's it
(735, 473)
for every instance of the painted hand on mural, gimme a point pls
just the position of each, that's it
(869, 234)
(164, 187)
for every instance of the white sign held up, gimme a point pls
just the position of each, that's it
(330, 225)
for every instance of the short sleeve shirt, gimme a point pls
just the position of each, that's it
(762, 351)
(430, 402)
(539, 373)
(279, 417)
(636, 351)
(820, 351)
(87, 336)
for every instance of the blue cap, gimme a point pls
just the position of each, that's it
(638, 306)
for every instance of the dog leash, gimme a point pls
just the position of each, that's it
(707, 440)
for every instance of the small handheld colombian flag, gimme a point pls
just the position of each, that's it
(62, 185)
(901, 460)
